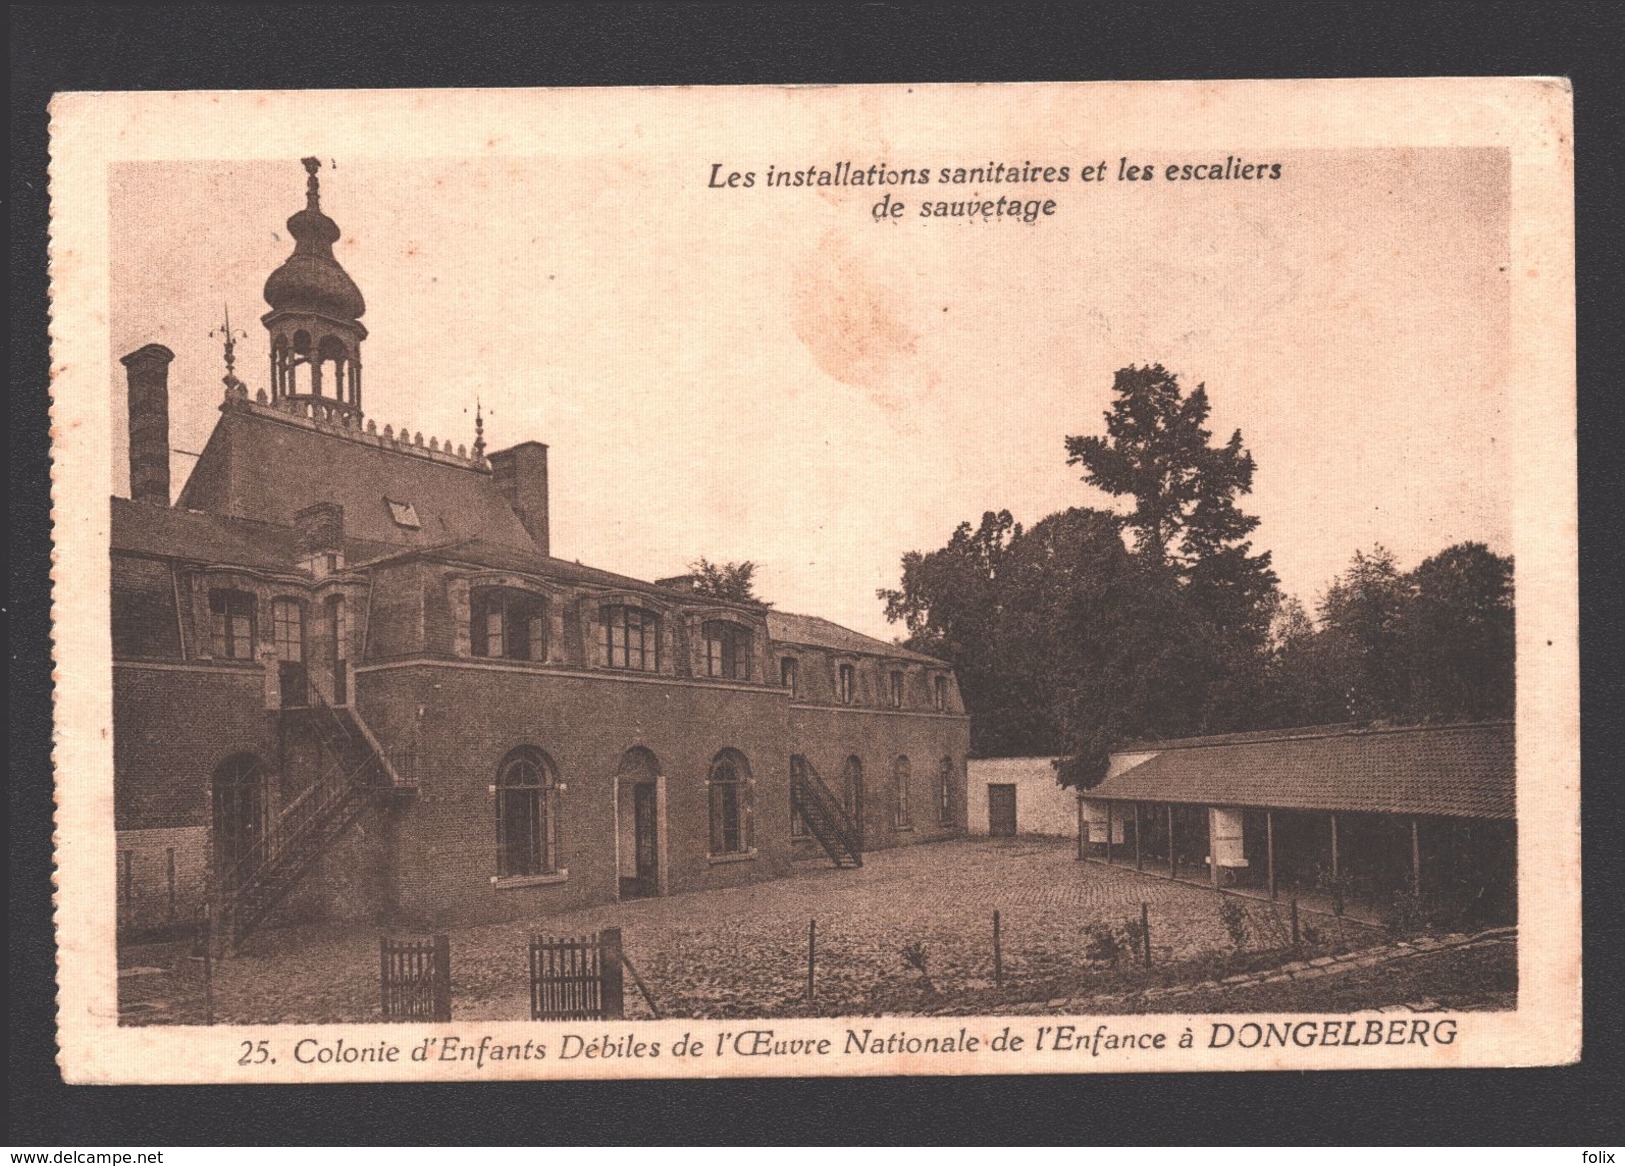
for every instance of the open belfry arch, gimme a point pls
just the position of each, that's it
(445, 721)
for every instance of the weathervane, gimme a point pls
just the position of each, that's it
(229, 337)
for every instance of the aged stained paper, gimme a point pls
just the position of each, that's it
(391, 429)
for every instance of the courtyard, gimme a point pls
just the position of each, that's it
(743, 952)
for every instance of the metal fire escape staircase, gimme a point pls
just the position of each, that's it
(354, 772)
(824, 815)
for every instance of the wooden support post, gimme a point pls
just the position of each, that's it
(1108, 833)
(1337, 879)
(1334, 850)
(812, 949)
(442, 974)
(1139, 859)
(1416, 860)
(611, 979)
(1212, 851)
(1294, 921)
(1269, 843)
(1145, 931)
(998, 954)
(1173, 858)
(1083, 829)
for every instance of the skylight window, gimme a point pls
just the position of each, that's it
(404, 514)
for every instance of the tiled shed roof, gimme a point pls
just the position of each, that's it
(1459, 771)
(789, 628)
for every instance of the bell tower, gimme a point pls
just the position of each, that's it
(315, 320)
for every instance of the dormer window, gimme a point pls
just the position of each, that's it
(508, 624)
(404, 514)
(232, 613)
(789, 675)
(847, 681)
(631, 637)
(894, 689)
(727, 650)
(939, 693)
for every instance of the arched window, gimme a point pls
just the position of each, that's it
(238, 790)
(847, 677)
(852, 799)
(527, 815)
(945, 792)
(631, 637)
(729, 789)
(727, 650)
(232, 613)
(901, 818)
(507, 623)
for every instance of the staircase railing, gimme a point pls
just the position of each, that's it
(824, 814)
(355, 767)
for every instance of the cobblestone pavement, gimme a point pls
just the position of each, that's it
(743, 951)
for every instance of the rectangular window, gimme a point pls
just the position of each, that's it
(939, 693)
(232, 613)
(288, 630)
(848, 683)
(631, 638)
(788, 675)
(126, 877)
(902, 817)
(509, 624)
(945, 793)
(727, 650)
(896, 690)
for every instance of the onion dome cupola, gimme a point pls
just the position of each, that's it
(315, 320)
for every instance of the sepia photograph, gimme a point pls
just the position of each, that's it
(621, 583)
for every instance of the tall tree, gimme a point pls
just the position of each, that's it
(1458, 635)
(1360, 647)
(1158, 451)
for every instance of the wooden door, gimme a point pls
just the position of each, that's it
(1001, 811)
(646, 844)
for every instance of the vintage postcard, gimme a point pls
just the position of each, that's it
(788, 581)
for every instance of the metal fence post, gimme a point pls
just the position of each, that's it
(613, 992)
(442, 977)
(812, 941)
(998, 954)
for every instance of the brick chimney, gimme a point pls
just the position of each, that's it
(318, 534)
(520, 474)
(146, 371)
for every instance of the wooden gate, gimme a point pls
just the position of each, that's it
(577, 979)
(415, 978)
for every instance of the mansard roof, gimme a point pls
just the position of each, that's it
(265, 465)
(815, 632)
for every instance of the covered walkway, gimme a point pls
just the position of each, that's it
(1375, 821)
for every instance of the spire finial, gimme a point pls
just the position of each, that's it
(479, 430)
(228, 336)
(313, 192)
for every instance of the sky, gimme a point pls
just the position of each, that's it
(772, 375)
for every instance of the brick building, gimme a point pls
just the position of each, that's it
(350, 679)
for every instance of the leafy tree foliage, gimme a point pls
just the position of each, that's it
(732, 582)
(1067, 642)
(1158, 451)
